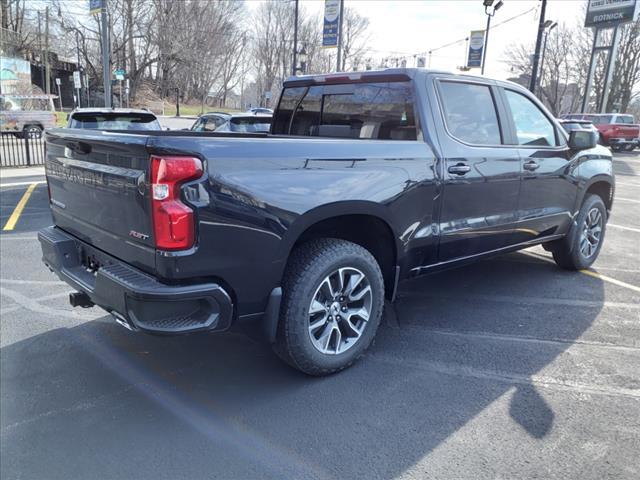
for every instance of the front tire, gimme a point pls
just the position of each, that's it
(331, 308)
(580, 248)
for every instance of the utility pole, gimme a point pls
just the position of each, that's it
(294, 68)
(536, 55)
(106, 49)
(46, 52)
(339, 54)
(41, 52)
(79, 100)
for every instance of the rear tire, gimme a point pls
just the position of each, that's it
(580, 248)
(329, 287)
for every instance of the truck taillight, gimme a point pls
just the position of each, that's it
(173, 221)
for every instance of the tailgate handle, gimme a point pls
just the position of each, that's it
(79, 147)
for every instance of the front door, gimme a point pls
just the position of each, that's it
(549, 184)
(481, 173)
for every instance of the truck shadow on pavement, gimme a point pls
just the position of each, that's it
(97, 401)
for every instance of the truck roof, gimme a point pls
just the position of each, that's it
(384, 75)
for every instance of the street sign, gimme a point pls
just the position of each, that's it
(96, 6)
(76, 80)
(58, 81)
(267, 95)
(331, 23)
(119, 74)
(610, 12)
(476, 46)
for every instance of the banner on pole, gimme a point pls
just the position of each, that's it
(331, 23)
(95, 6)
(476, 47)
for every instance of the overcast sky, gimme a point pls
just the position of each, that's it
(417, 26)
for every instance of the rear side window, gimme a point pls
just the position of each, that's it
(602, 119)
(365, 111)
(532, 126)
(626, 119)
(470, 113)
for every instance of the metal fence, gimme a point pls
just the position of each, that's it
(21, 152)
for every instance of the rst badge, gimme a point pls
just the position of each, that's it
(141, 236)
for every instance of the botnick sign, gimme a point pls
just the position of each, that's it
(609, 13)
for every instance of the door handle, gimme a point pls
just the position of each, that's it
(531, 166)
(459, 169)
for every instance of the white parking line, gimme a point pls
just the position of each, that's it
(637, 230)
(622, 199)
(628, 184)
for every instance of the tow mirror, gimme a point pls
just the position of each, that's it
(582, 139)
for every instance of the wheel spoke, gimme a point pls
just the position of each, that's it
(338, 336)
(316, 307)
(354, 281)
(326, 283)
(360, 294)
(315, 325)
(325, 338)
(358, 312)
(352, 330)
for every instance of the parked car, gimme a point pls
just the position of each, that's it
(113, 119)
(26, 115)
(245, 123)
(298, 236)
(618, 131)
(267, 111)
(571, 125)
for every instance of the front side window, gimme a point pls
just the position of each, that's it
(365, 111)
(470, 113)
(532, 126)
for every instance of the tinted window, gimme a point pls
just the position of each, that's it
(114, 121)
(532, 126)
(249, 124)
(470, 113)
(288, 101)
(624, 119)
(366, 111)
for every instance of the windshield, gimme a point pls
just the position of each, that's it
(115, 121)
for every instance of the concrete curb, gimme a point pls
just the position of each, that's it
(21, 172)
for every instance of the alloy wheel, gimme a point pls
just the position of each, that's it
(339, 310)
(591, 233)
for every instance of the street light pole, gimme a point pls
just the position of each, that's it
(536, 55)
(490, 10)
(340, 21)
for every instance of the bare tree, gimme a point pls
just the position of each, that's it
(355, 38)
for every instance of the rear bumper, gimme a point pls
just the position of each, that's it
(622, 141)
(136, 299)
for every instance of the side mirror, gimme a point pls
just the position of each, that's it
(582, 139)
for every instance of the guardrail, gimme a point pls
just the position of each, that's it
(22, 151)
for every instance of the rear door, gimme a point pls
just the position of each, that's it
(549, 184)
(97, 183)
(481, 172)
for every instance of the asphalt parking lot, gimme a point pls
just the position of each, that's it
(509, 368)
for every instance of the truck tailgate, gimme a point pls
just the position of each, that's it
(98, 187)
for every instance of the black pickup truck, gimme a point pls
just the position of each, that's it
(298, 235)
